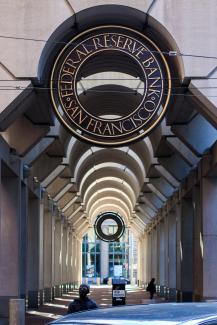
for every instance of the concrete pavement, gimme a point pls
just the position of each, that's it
(101, 294)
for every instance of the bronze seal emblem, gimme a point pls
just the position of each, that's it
(115, 49)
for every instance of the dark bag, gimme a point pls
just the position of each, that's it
(148, 288)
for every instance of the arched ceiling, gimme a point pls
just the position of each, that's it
(136, 180)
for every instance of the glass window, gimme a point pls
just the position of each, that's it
(91, 248)
(98, 247)
(118, 259)
(111, 269)
(83, 265)
(118, 254)
(111, 258)
(97, 265)
(111, 247)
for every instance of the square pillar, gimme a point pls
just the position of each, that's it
(154, 253)
(197, 246)
(186, 250)
(172, 255)
(161, 255)
(35, 251)
(48, 248)
(70, 258)
(58, 234)
(12, 237)
(209, 236)
(65, 257)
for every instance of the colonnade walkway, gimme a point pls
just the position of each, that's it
(101, 294)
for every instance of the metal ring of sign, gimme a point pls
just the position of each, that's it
(110, 40)
(106, 216)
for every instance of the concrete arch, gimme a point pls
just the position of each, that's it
(108, 192)
(113, 202)
(74, 155)
(108, 173)
(111, 168)
(87, 18)
(144, 151)
(108, 182)
(103, 14)
(110, 155)
(105, 207)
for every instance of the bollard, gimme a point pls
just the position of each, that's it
(17, 312)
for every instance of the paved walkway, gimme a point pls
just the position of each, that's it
(101, 294)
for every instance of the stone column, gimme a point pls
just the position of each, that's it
(48, 249)
(23, 240)
(148, 259)
(74, 257)
(145, 253)
(35, 251)
(172, 255)
(186, 249)
(104, 251)
(139, 262)
(131, 258)
(65, 257)
(154, 253)
(79, 258)
(178, 251)
(197, 246)
(58, 233)
(166, 253)
(76, 261)
(17, 312)
(209, 236)
(69, 260)
(13, 236)
(161, 256)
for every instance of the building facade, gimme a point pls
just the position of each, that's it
(54, 183)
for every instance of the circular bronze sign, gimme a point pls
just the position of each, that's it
(97, 50)
(98, 226)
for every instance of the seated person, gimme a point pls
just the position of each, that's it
(83, 302)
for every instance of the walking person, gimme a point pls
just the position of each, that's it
(83, 302)
(151, 288)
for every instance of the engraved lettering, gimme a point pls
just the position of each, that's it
(98, 126)
(150, 105)
(127, 126)
(96, 42)
(127, 44)
(80, 54)
(67, 93)
(120, 42)
(153, 92)
(154, 83)
(151, 71)
(113, 41)
(148, 62)
(117, 128)
(86, 50)
(80, 116)
(140, 51)
(106, 40)
(72, 63)
(134, 48)
(107, 129)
